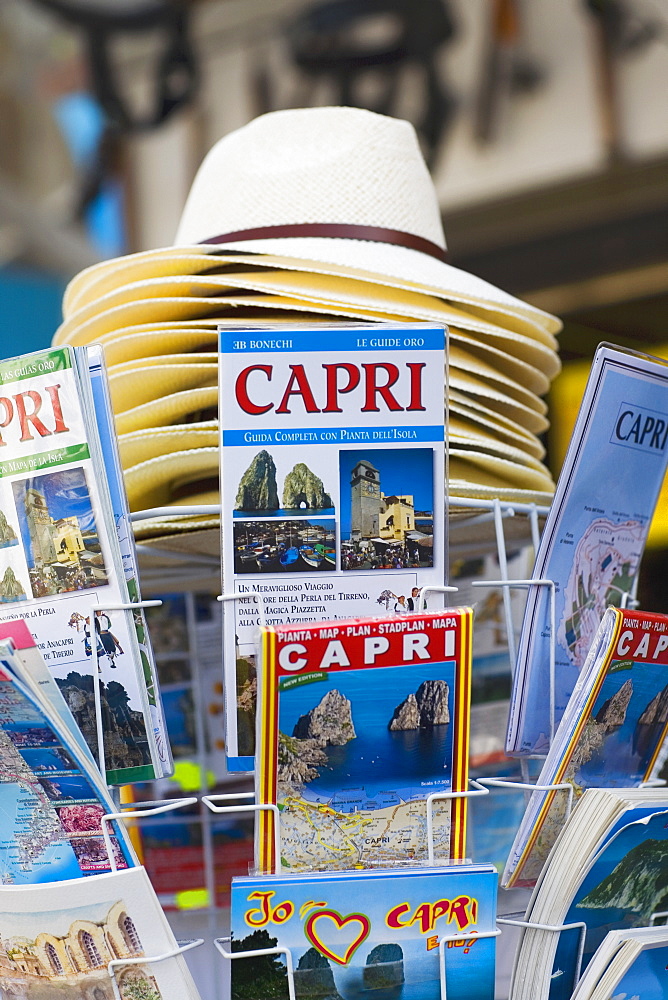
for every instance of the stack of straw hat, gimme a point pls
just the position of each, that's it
(316, 216)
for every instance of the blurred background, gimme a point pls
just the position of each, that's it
(543, 122)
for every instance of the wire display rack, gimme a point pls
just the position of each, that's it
(475, 527)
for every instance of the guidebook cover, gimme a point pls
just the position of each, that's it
(60, 564)
(610, 736)
(51, 800)
(595, 533)
(332, 484)
(58, 940)
(358, 722)
(624, 887)
(366, 931)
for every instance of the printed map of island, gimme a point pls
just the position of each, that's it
(355, 766)
(605, 563)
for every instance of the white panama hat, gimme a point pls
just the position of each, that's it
(336, 184)
(333, 190)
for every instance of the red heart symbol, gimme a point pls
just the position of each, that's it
(360, 918)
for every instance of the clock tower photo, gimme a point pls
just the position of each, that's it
(366, 500)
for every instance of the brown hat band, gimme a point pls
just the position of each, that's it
(336, 230)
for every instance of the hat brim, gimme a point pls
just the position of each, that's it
(382, 263)
(145, 383)
(186, 311)
(148, 340)
(138, 446)
(170, 409)
(305, 286)
(501, 427)
(150, 483)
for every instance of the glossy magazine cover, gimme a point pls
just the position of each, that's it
(51, 799)
(623, 888)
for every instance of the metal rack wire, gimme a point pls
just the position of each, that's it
(488, 521)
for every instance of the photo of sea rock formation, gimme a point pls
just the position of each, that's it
(302, 490)
(7, 534)
(330, 742)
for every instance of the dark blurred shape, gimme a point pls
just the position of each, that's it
(176, 72)
(335, 41)
(619, 29)
(506, 69)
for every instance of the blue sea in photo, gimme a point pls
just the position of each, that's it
(48, 759)
(72, 786)
(378, 768)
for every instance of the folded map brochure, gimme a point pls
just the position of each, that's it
(594, 535)
(607, 871)
(59, 940)
(611, 733)
(61, 564)
(377, 931)
(332, 460)
(631, 963)
(120, 510)
(52, 798)
(359, 721)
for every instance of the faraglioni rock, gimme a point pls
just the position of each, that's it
(329, 723)
(384, 967)
(613, 712)
(302, 488)
(656, 711)
(257, 489)
(406, 715)
(314, 977)
(427, 707)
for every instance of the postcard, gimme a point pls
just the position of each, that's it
(367, 931)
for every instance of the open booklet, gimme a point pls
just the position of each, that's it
(63, 517)
(52, 798)
(594, 536)
(61, 940)
(611, 734)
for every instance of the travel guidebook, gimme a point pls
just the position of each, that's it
(120, 510)
(359, 721)
(611, 734)
(52, 798)
(332, 484)
(59, 940)
(594, 535)
(366, 931)
(61, 566)
(620, 887)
